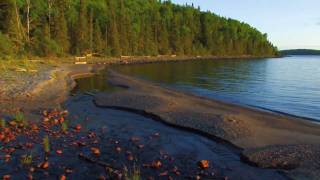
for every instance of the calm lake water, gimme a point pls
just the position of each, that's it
(289, 85)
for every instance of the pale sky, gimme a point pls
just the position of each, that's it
(288, 23)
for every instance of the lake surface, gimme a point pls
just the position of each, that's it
(289, 85)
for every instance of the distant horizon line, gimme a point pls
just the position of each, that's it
(299, 49)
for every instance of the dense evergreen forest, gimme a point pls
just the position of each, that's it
(300, 52)
(122, 27)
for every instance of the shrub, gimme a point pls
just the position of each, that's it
(6, 46)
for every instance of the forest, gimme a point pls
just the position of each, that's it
(300, 52)
(47, 28)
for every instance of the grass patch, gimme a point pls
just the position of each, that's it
(20, 119)
(133, 174)
(64, 126)
(3, 123)
(26, 159)
(46, 144)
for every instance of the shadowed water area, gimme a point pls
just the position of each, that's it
(185, 148)
(289, 85)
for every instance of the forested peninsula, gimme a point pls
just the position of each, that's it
(300, 52)
(48, 28)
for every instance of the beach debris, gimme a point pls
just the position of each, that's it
(78, 127)
(44, 165)
(59, 151)
(130, 157)
(140, 146)
(95, 151)
(6, 177)
(118, 149)
(62, 177)
(18, 69)
(38, 140)
(68, 170)
(203, 164)
(156, 164)
(135, 139)
(165, 173)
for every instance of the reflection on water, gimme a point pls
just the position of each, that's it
(96, 83)
(290, 85)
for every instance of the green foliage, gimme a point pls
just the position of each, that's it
(19, 118)
(64, 126)
(134, 174)
(5, 47)
(27, 159)
(123, 27)
(46, 144)
(3, 123)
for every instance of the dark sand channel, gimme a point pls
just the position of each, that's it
(184, 147)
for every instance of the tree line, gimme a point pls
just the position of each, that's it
(122, 27)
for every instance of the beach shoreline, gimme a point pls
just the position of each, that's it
(245, 128)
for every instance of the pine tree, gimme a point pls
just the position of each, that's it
(12, 24)
(97, 38)
(113, 30)
(82, 32)
(60, 27)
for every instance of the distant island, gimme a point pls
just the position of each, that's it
(300, 52)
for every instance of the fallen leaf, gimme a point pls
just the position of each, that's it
(59, 151)
(78, 127)
(203, 164)
(118, 149)
(156, 164)
(95, 151)
(130, 157)
(6, 177)
(45, 165)
(164, 173)
(63, 177)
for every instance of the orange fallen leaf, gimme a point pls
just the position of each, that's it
(95, 151)
(130, 157)
(156, 164)
(62, 177)
(12, 123)
(203, 164)
(78, 127)
(6, 177)
(45, 165)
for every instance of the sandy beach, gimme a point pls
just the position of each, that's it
(264, 136)
(266, 139)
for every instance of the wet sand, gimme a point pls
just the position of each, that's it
(247, 128)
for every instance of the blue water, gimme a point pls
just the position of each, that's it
(290, 85)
